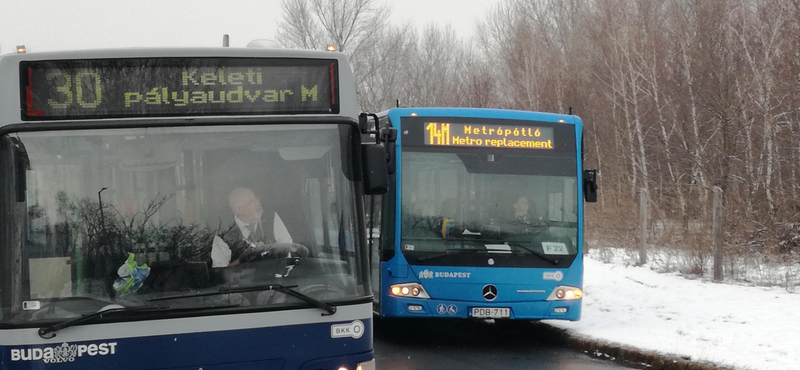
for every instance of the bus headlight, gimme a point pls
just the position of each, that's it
(565, 293)
(369, 365)
(409, 290)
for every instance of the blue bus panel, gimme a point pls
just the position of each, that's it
(485, 216)
(329, 345)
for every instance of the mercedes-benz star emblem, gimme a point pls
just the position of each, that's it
(489, 292)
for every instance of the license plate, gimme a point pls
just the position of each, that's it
(491, 312)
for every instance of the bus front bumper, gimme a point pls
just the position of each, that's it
(519, 310)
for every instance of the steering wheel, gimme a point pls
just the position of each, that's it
(273, 251)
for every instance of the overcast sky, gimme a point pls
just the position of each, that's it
(44, 25)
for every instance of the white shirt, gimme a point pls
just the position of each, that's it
(279, 230)
(221, 252)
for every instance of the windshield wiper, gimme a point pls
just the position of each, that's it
(450, 251)
(535, 253)
(327, 307)
(458, 250)
(45, 331)
(48, 332)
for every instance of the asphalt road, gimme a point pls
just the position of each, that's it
(457, 345)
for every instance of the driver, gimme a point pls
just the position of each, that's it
(523, 220)
(251, 235)
(521, 208)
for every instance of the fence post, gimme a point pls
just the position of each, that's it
(716, 232)
(642, 226)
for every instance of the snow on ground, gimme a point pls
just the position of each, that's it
(737, 326)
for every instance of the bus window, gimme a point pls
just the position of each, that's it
(93, 202)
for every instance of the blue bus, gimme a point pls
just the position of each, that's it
(184, 209)
(483, 218)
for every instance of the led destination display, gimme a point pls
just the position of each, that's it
(177, 86)
(488, 136)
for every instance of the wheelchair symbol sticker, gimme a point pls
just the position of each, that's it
(452, 309)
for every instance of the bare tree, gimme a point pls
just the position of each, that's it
(300, 27)
(677, 96)
(347, 24)
(380, 75)
(355, 27)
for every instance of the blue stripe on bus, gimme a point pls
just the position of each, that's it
(283, 347)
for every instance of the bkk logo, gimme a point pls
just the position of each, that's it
(64, 353)
(557, 275)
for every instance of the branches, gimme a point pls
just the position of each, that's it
(683, 95)
(704, 92)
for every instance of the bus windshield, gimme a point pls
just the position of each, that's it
(125, 216)
(520, 207)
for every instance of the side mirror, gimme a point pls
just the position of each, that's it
(363, 123)
(376, 177)
(590, 186)
(22, 165)
(388, 136)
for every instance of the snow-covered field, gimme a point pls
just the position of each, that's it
(739, 326)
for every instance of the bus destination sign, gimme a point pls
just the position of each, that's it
(488, 136)
(106, 88)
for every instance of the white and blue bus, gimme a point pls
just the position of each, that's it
(483, 218)
(183, 209)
